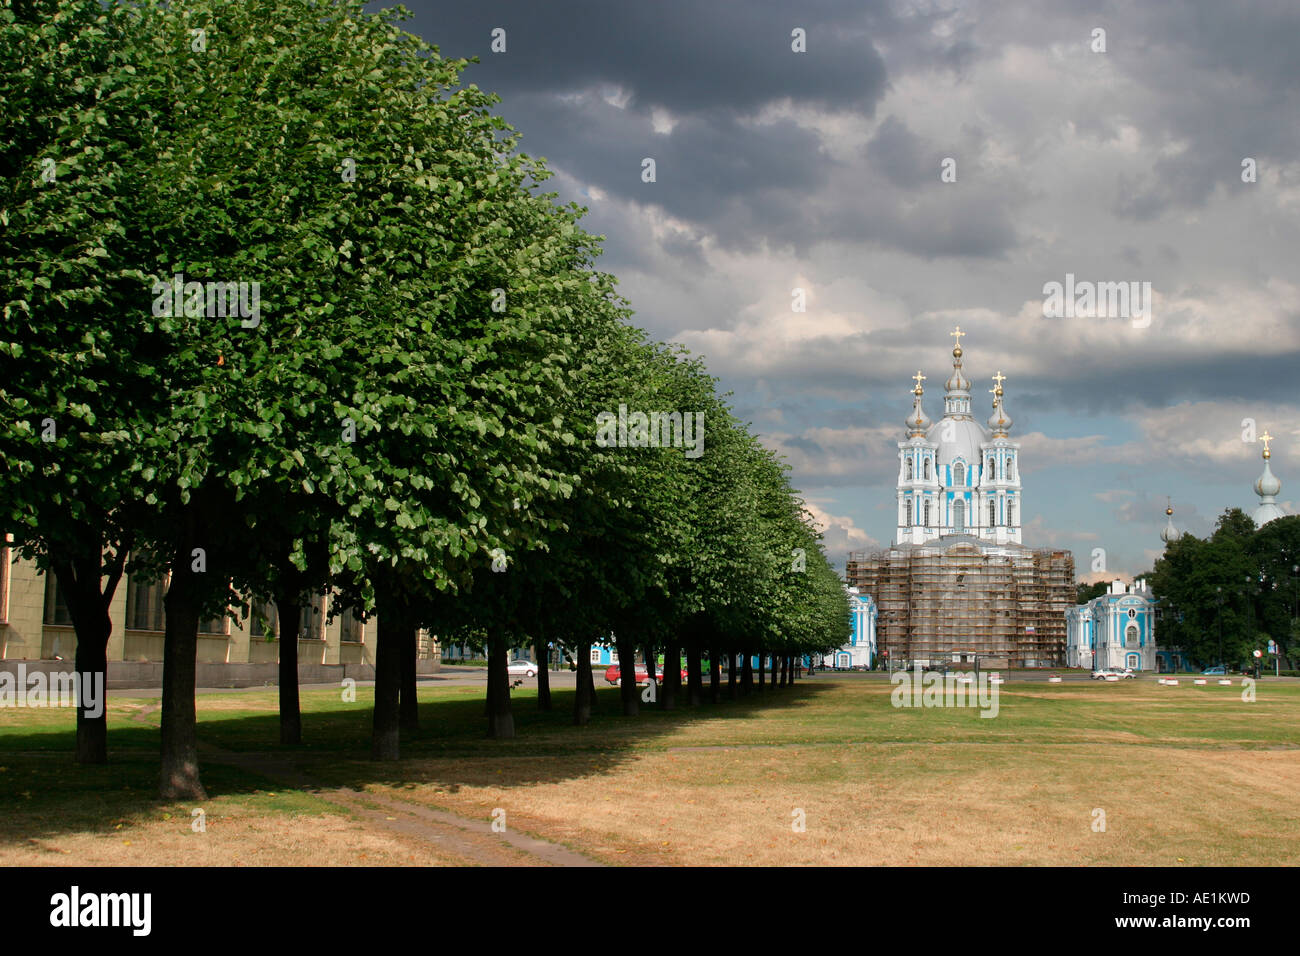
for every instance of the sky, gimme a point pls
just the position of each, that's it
(1112, 157)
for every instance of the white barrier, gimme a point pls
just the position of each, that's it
(1199, 680)
(1225, 683)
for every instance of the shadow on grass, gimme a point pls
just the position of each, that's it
(46, 793)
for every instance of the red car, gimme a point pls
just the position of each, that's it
(613, 675)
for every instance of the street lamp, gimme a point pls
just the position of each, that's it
(1219, 616)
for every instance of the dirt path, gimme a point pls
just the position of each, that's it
(471, 841)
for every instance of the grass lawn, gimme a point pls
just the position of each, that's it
(1186, 775)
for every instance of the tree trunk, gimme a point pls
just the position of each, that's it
(80, 579)
(762, 662)
(672, 676)
(715, 672)
(627, 675)
(746, 672)
(501, 723)
(543, 655)
(694, 680)
(179, 777)
(585, 689)
(732, 665)
(408, 705)
(393, 623)
(289, 614)
(92, 706)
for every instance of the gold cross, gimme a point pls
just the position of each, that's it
(999, 378)
(1266, 438)
(918, 378)
(957, 334)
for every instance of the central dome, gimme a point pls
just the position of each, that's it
(966, 436)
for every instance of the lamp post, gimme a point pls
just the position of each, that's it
(1219, 616)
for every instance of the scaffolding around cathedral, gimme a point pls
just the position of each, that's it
(956, 598)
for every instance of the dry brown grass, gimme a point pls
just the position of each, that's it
(235, 836)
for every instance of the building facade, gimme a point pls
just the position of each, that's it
(860, 651)
(1115, 630)
(958, 583)
(35, 625)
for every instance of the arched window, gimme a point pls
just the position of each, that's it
(1131, 636)
(909, 512)
(959, 474)
(1011, 512)
(959, 515)
(993, 512)
(927, 469)
(927, 514)
(909, 467)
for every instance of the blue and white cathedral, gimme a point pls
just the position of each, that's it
(954, 475)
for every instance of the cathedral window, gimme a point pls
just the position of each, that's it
(909, 512)
(993, 512)
(909, 468)
(1011, 513)
(959, 474)
(927, 514)
(927, 469)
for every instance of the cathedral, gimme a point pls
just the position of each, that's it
(958, 584)
(955, 476)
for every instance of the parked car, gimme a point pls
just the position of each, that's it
(1113, 673)
(1219, 671)
(614, 674)
(522, 668)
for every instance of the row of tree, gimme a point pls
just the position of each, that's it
(285, 311)
(1224, 596)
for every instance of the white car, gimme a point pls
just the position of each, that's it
(1113, 674)
(522, 668)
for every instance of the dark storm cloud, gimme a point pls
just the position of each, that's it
(899, 154)
(685, 55)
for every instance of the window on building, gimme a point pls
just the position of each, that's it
(1011, 513)
(261, 621)
(351, 628)
(927, 469)
(56, 606)
(144, 604)
(993, 512)
(909, 512)
(311, 626)
(595, 655)
(909, 468)
(959, 516)
(1131, 636)
(959, 474)
(927, 514)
